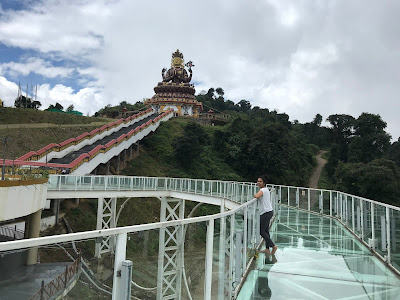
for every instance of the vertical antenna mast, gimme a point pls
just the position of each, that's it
(19, 90)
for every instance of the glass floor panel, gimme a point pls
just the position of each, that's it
(317, 258)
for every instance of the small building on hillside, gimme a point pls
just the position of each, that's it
(175, 91)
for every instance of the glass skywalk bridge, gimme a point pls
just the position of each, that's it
(318, 258)
(331, 245)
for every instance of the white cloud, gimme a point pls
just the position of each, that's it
(300, 57)
(8, 91)
(35, 65)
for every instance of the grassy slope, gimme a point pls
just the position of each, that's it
(10, 115)
(23, 140)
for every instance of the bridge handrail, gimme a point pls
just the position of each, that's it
(93, 234)
(12, 232)
(59, 283)
(252, 187)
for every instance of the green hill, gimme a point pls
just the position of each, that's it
(10, 115)
(28, 138)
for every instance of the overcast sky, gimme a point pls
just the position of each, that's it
(298, 57)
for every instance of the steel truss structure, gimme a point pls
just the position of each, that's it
(106, 212)
(171, 250)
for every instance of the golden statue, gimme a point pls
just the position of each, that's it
(175, 91)
(177, 73)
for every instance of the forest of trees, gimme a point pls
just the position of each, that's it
(113, 111)
(26, 102)
(362, 160)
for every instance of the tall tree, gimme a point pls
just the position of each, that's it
(370, 140)
(220, 91)
(244, 105)
(342, 130)
(58, 106)
(70, 108)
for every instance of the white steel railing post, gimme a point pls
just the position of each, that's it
(255, 224)
(330, 203)
(373, 225)
(209, 259)
(362, 218)
(59, 182)
(120, 254)
(297, 198)
(288, 196)
(244, 240)
(353, 217)
(309, 199)
(280, 194)
(321, 203)
(388, 246)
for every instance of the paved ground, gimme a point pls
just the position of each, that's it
(29, 282)
(313, 183)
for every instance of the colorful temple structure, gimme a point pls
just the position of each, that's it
(175, 91)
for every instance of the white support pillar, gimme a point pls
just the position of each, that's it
(231, 257)
(120, 255)
(209, 259)
(221, 255)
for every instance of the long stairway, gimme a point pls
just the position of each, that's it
(70, 157)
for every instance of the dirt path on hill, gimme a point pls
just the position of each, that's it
(313, 182)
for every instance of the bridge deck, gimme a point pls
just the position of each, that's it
(317, 259)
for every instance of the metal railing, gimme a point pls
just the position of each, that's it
(372, 222)
(11, 232)
(233, 191)
(59, 283)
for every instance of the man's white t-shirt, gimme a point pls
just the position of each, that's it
(264, 202)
